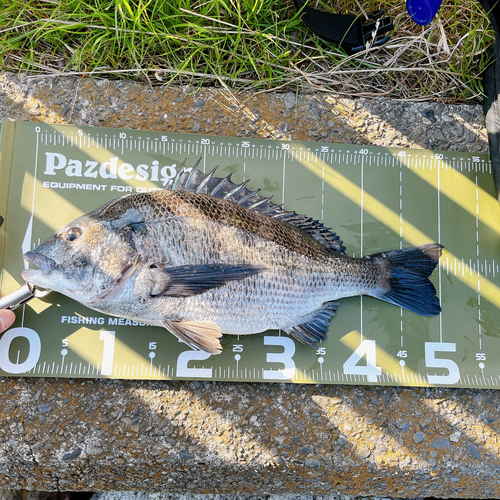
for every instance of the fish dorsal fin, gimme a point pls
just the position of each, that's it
(315, 327)
(199, 335)
(195, 181)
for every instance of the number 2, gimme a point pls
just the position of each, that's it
(183, 370)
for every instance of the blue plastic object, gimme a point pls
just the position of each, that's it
(422, 11)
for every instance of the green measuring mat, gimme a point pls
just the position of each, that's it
(374, 198)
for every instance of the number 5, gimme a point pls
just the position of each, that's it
(432, 362)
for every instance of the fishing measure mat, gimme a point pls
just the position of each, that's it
(375, 198)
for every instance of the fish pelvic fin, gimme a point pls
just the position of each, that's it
(408, 281)
(199, 335)
(316, 326)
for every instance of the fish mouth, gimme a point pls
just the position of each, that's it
(45, 264)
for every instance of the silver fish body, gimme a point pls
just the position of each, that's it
(206, 257)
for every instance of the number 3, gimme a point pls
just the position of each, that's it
(284, 357)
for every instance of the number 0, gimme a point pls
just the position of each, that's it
(35, 347)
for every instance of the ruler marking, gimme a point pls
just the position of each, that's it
(401, 234)
(283, 180)
(361, 240)
(478, 267)
(439, 166)
(323, 192)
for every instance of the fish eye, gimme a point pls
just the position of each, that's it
(72, 234)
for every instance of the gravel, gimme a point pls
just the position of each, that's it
(418, 437)
(440, 443)
(72, 455)
(474, 451)
(45, 408)
(289, 100)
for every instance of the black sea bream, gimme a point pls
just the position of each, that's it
(206, 257)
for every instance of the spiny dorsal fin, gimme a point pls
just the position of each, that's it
(196, 181)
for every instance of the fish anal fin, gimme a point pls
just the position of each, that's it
(184, 281)
(199, 335)
(315, 327)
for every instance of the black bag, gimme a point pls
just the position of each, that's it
(347, 30)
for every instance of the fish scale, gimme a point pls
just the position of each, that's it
(273, 292)
(203, 207)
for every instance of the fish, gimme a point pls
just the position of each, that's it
(206, 257)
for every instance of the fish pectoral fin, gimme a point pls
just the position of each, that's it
(184, 281)
(316, 326)
(198, 335)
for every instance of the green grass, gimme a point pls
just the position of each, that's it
(258, 44)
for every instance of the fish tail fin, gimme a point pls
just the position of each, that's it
(408, 283)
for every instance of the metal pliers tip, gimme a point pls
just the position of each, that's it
(21, 296)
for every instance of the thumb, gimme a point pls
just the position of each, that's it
(7, 317)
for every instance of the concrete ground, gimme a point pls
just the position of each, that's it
(248, 439)
(137, 495)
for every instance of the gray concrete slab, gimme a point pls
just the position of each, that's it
(252, 439)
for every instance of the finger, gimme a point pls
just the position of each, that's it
(7, 317)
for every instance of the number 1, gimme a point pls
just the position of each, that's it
(107, 352)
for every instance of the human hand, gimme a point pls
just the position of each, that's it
(7, 317)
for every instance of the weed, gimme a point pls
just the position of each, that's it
(259, 44)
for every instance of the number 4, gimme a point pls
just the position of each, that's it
(367, 348)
